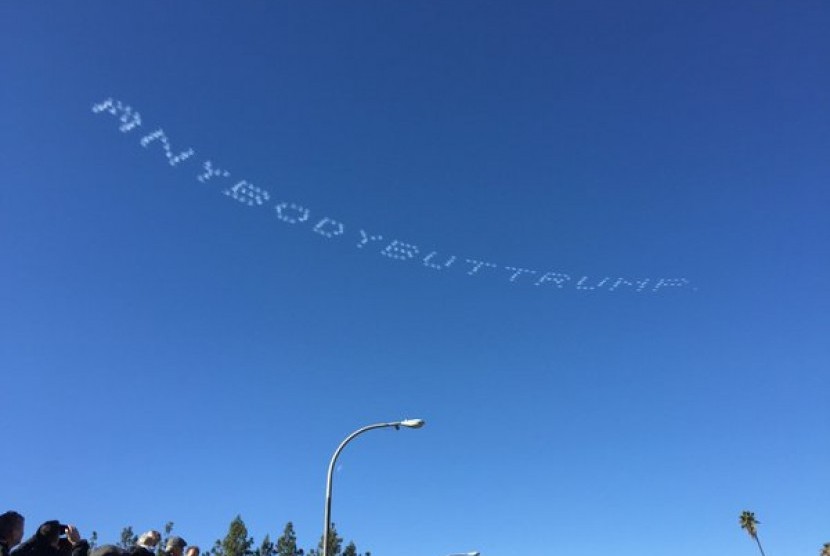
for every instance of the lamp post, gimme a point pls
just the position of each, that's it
(408, 423)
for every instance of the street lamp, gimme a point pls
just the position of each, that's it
(408, 423)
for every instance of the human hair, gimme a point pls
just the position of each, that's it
(8, 522)
(51, 531)
(150, 538)
(193, 548)
(175, 542)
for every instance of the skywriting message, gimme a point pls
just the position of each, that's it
(330, 229)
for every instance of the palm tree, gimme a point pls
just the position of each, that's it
(749, 523)
(825, 551)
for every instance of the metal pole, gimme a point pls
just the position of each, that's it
(330, 476)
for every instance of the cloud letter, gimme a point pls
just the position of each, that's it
(670, 282)
(365, 238)
(442, 266)
(557, 278)
(335, 228)
(301, 215)
(210, 172)
(477, 265)
(247, 193)
(129, 119)
(159, 135)
(622, 281)
(399, 250)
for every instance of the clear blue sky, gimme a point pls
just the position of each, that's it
(168, 353)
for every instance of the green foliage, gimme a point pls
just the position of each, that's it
(351, 550)
(236, 542)
(266, 548)
(287, 543)
(748, 522)
(335, 544)
(128, 538)
(168, 528)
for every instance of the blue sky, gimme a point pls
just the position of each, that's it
(169, 353)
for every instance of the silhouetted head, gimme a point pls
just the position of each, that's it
(11, 528)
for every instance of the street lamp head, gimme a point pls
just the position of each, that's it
(412, 423)
(328, 526)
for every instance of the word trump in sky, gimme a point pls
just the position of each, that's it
(294, 214)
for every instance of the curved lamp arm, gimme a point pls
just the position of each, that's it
(408, 423)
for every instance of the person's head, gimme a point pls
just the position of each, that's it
(106, 550)
(192, 551)
(149, 539)
(50, 532)
(11, 528)
(175, 546)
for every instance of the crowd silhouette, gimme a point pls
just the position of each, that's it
(54, 538)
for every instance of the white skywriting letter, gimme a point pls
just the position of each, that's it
(159, 135)
(446, 264)
(478, 265)
(557, 278)
(292, 213)
(129, 119)
(247, 193)
(670, 283)
(400, 250)
(210, 172)
(328, 227)
(365, 238)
